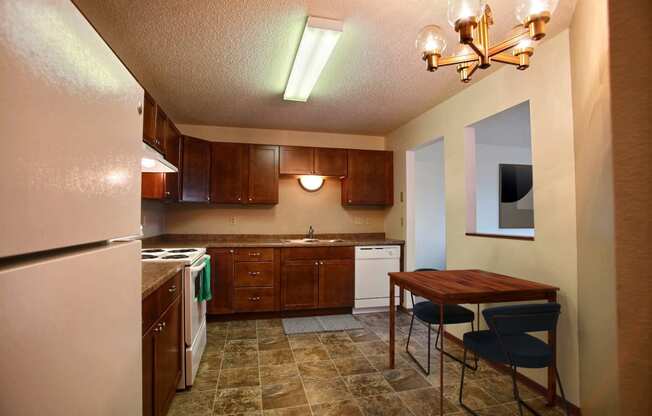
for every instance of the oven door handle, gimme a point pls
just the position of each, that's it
(201, 266)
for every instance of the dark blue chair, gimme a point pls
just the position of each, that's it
(507, 342)
(428, 312)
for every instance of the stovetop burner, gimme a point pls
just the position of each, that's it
(183, 250)
(175, 256)
(147, 256)
(153, 250)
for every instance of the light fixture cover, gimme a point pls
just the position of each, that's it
(153, 162)
(526, 8)
(317, 43)
(311, 183)
(464, 9)
(430, 40)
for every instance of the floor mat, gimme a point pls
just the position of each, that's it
(320, 324)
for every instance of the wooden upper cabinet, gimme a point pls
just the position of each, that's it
(229, 173)
(312, 161)
(152, 185)
(330, 162)
(370, 179)
(263, 174)
(149, 123)
(173, 155)
(296, 160)
(195, 167)
(161, 128)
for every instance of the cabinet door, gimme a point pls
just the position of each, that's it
(263, 174)
(296, 160)
(330, 162)
(229, 173)
(148, 373)
(161, 128)
(195, 170)
(299, 284)
(149, 123)
(221, 282)
(336, 279)
(173, 155)
(369, 179)
(167, 357)
(152, 185)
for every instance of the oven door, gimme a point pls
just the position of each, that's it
(194, 311)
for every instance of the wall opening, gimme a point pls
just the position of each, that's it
(500, 194)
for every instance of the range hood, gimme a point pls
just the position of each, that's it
(154, 162)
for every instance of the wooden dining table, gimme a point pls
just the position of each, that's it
(469, 287)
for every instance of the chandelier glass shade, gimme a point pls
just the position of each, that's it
(472, 19)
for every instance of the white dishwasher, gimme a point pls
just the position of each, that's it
(372, 263)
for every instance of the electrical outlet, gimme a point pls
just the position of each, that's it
(233, 220)
(401, 196)
(402, 222)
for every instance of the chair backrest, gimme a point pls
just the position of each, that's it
(519, 319)
(417, 299)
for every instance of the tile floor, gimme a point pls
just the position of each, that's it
(251, 368)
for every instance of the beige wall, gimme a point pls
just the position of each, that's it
(296, 210)
(595, 208)
(152, 218)
(552, 257)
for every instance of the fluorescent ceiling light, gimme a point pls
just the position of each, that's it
(317, 43)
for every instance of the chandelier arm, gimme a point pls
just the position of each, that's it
(478, 49)
(508, 43)
(506, 59)
(457, 59)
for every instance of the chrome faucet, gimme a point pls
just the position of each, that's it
(311, 233)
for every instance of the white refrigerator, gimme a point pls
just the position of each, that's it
(70, 148)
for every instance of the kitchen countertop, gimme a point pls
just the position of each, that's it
(155, 274)
(248, 240)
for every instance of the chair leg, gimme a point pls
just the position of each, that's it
(465, 407)
(438, 348)
(407, 350)
(521, 404)
(561, 390)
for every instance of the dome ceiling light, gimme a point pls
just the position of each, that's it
(471, 20)
(311, 183)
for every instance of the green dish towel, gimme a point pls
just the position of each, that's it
(205, 293)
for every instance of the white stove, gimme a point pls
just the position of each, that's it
(194, 310)
(186, 255)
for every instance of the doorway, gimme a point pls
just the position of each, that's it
(426, 206)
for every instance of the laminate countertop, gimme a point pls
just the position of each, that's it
(248, 240)
(155, 274)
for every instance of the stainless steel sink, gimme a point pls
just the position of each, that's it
(313, 241)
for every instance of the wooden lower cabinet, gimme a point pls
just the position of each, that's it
(336, 283)
(299, 284)
(320, 277)
(162, 350)
(222, 276)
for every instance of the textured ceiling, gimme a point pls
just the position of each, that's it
(226, 62)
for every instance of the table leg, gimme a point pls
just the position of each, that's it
(392, 319)
(552, 380)
(441, 359)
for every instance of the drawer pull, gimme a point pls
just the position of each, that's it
(254, 274)
(254, 298)
(172, 288)
(254, 254)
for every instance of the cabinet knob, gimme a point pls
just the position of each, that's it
(163, 324)
(172, 288)
(231, 251)
(321, 262)
(254, 274)
(167, 193)
(140, 108)
(251, 199)
(316, 263)
(239, 198)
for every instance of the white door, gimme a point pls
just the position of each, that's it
(70, 334)
(71, 132)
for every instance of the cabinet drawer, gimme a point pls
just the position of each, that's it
(155, 304)
(254, 299)
(254, 254)
(317, 253)
(254, 273)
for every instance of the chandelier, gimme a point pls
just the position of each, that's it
(471, 20)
